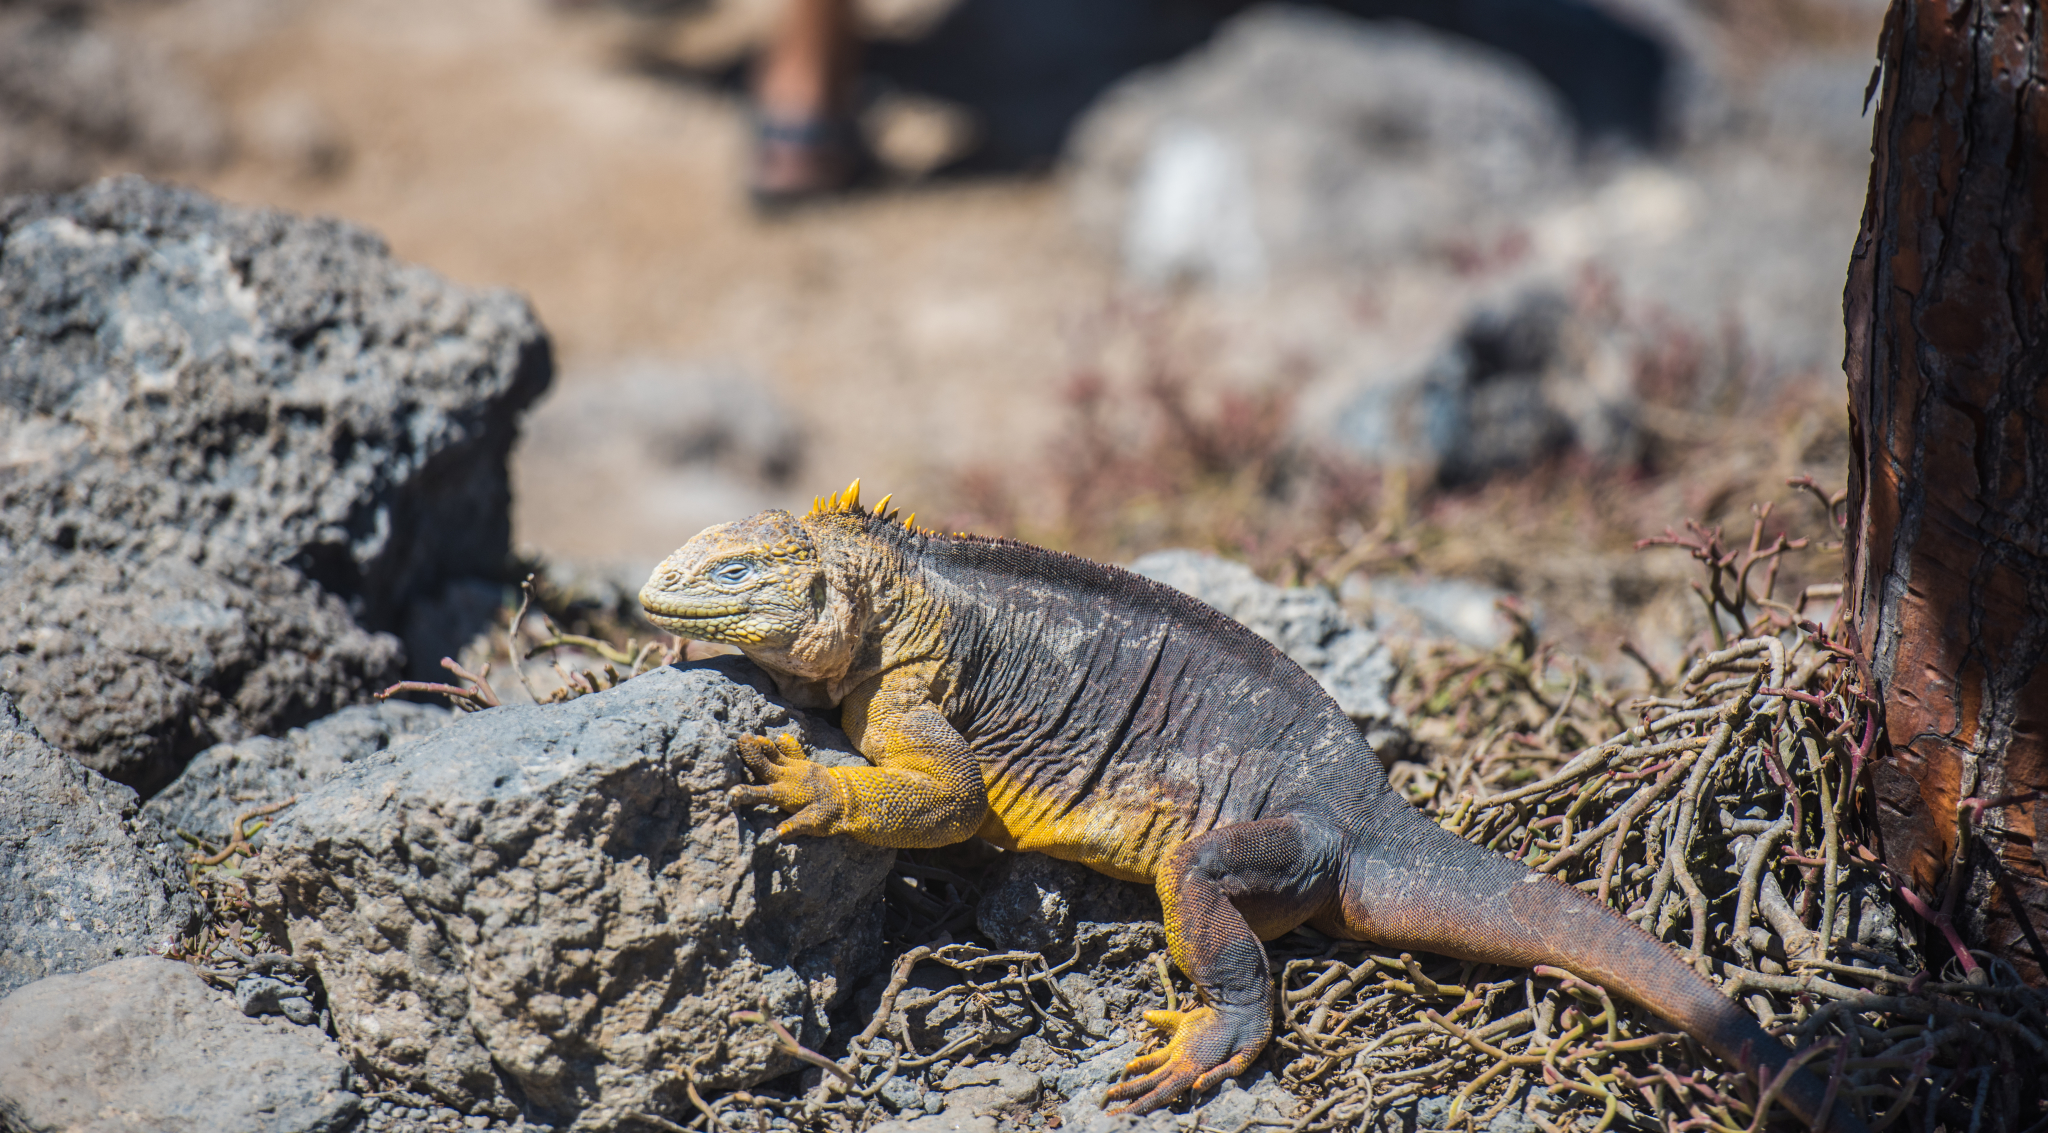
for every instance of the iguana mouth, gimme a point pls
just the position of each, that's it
(663, 609)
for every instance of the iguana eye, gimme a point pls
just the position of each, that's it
(734, 573)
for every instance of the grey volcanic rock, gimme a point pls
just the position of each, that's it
(228, 779)
(191, 379)
(133, 666)
(1353, 665)
(145, 1044)
(1303, 138)
(552, 908)
(82, 881)
(1523, 380)
(187, 386)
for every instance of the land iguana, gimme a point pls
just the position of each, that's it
(1045, 702)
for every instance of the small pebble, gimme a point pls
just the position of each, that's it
(903, 1093)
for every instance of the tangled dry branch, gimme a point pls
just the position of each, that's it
(1719, 819)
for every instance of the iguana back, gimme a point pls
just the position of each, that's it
(1115, 718)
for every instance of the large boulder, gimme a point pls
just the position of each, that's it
(82, 879)
(144, 1044)
(203, 410)
(554, 910)
(1300, 138)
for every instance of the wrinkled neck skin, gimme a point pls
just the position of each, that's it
(874, 618)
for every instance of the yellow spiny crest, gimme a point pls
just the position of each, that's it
(848, 503)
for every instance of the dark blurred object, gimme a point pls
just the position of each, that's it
(1028, 68)
(1611, 74)
(76, 98)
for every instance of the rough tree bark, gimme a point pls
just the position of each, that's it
(1947, 557)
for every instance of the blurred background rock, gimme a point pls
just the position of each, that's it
(1392, 297)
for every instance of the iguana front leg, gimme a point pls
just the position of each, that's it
(924, 790)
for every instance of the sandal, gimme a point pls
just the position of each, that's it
(802, 160)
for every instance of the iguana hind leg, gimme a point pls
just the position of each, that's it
(1223, 893)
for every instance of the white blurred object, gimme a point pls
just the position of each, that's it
(1192, 215)
(1319, 141)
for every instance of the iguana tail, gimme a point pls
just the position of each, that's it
(1417, 885)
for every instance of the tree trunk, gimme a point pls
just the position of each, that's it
(1947, 556)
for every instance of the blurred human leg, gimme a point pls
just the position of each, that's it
(804, 142)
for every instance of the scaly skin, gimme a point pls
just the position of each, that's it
(1048, 703)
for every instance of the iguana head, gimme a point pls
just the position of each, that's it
(759, 584)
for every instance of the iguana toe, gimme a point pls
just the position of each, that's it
(763, 755)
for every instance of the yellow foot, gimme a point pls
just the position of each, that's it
(1206, 1046)
(792, 782)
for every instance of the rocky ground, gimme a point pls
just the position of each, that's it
(263, 438)
(1435, 362)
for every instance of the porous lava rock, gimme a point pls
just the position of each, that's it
(553, 911)
(133, 666)
(255, 437)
